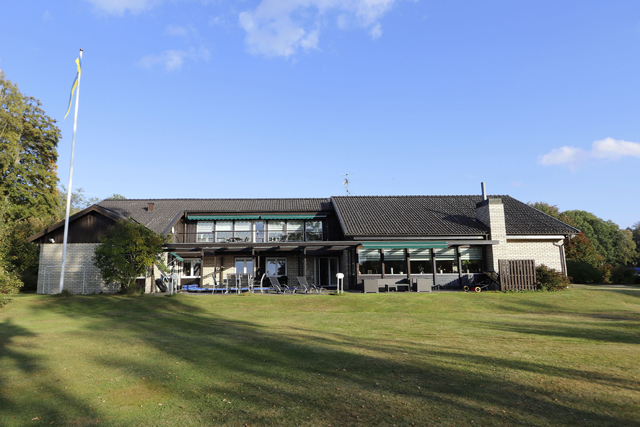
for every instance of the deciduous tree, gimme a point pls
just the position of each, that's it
(28, 154)
(126, 252)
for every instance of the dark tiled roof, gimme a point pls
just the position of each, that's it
(437, 216)
(166, 210)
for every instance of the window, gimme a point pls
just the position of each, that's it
(313, 230)
(229, 231)
(204, 231)
(295, 231)
(243, 231)
(421, 261)
(191, 268)
(276, 267)
(471, 259)
(369, 260)
(244, 266)
(394, 261)
(259, 229)
(276, 231)
(224, 231)
(446, 261)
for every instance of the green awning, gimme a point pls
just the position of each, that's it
(403, 245)
(221, 217)
(312, 216)
(176, 256)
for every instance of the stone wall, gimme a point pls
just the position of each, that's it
(541, 251)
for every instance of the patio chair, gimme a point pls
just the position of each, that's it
(275, 284)
(245, 282)
(302, 280)
(232, 282)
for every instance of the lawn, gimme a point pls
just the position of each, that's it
(450, 359)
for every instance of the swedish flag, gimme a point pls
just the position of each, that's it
(73, 87)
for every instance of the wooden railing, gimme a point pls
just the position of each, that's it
(517, 274)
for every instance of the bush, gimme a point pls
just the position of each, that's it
(9, 285)
(623, 275)
(583, 272)
(550, 279)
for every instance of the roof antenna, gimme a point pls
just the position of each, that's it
(346, 183)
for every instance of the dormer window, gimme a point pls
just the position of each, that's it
(272, 229)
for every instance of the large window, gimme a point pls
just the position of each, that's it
(244, 265)
(276, 267)
(243, 231)
(394, 261)
(204, 231)
(228, 231)
(471, 259)
(313, 230)
(421, 261)
(295, 231)
(446, 261)
(369, 260)
(277, 231)
(224, 231)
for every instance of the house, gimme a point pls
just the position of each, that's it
(448, 241)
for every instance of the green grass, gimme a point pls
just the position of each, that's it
(450, 359)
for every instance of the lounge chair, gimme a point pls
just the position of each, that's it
(275, 284)
(245, 283)
(306, 286)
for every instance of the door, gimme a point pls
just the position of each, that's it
(326, 270)
(244, 266)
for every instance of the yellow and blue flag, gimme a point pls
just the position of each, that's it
(73, 87)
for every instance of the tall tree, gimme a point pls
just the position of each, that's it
(28, 154)
(79, 201)
(605, 235)
(551, 210)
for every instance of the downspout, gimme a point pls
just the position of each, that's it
(563, 259)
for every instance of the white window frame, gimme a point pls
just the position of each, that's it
(286, 267)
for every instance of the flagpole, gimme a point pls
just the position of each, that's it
(73, 146)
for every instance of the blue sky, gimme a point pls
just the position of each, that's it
(274, 98)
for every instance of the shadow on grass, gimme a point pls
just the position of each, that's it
(296, 375)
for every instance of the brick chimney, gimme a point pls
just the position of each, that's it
(491, 213)
(150, 207)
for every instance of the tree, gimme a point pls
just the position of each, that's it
(126, 251)
(580, 248)
(79, 201)
(116, 196)
(28, 155)
(605, 235)
(626, 252)
(551, 210)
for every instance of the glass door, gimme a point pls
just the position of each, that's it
(244, 266)
(326, 270)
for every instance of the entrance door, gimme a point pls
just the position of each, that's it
(244, 266)
(326, 270)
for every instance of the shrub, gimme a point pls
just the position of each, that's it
(550, 279)
(583, 272)
(9, 285)
(623, 275)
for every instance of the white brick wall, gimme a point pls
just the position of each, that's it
(81, 275)
(542, 251)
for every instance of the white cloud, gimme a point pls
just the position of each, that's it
(176, 30)
(283, 27)
(119, 7)
(608, 148)
(172, 60)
